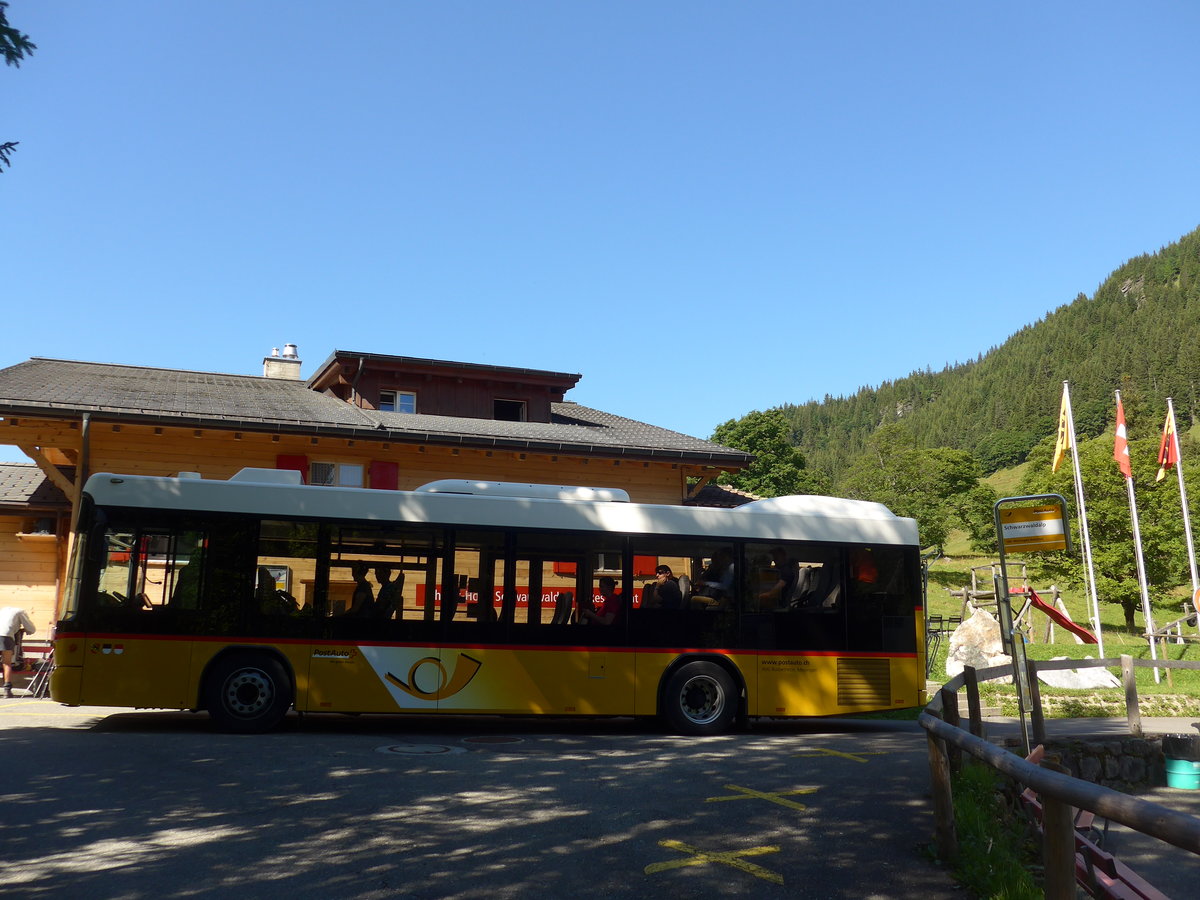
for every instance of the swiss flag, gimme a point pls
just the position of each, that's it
(1121, 444)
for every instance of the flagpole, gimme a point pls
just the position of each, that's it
(1187, 521)
(1090, 575)
(1137, 546)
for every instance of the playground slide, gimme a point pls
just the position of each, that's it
(1058, 616)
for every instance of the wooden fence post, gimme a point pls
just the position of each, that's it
(1058, 844)
(971, 680)
(946, 835)
(1131, 697)
(950, 717)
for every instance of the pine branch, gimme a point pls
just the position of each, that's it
(13, 44)
(6, 150)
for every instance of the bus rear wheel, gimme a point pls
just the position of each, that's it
(248, 693)
(700, 698)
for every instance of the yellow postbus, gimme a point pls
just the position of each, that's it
(258, 595)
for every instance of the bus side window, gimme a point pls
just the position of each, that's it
(113, 585)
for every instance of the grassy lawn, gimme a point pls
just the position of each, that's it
(1178, 697)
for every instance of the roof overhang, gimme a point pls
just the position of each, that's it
(729, 460)
(343, 364)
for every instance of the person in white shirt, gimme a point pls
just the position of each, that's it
(12, 619)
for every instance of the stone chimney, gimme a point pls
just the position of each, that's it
(286, 366)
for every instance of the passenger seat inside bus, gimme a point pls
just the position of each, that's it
(562, 608)
(818, 589)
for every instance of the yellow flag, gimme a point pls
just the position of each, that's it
(1065, 439)
(1168, 448)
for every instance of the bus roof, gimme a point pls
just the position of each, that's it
(263, 492)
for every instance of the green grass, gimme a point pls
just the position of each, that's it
(1007, 482)
(1179, 696)
(995, 852)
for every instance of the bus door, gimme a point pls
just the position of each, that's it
(381, 596)
(564, 660)
(130, 657)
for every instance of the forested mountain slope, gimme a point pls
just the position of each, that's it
(1140, 333)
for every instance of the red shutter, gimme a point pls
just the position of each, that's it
(384, 476)
(296, 463)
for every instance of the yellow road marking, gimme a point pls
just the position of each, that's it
(771, 796)
(857, 757)
(732, 858)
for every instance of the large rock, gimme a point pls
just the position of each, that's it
(1079, 678)
(976, 642)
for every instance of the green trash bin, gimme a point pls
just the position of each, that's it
(1182, 752)
(1183, 773)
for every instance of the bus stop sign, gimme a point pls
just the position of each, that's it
(1032, 529)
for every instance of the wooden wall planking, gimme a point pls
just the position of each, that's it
(28, 573)
(219, 455)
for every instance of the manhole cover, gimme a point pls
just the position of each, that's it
(418, 749)
(492, 739)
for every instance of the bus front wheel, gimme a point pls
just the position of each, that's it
(700, 698)
(248, 694)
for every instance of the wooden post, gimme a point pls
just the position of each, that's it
(945, 833)
(950, 717)
(1058, 845)
(971, 680)
(1037, 717)
(1132, 712)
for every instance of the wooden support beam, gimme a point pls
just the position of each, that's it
(57, 478)
(695, 488)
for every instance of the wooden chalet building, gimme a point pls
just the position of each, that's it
(363, 419)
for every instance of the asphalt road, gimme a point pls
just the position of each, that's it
(103, 803)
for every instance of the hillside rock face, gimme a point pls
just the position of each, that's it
(976, 642)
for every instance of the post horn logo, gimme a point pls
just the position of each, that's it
(464, 670)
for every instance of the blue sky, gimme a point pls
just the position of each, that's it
(704, 208)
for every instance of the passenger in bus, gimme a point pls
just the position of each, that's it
(777, 595)
(667, 593)
(264, 590)
(187, 580)
(363, 601)
(611, 605)
(716, 581)
(391, 594)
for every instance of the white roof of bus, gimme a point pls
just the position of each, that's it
(260, 492)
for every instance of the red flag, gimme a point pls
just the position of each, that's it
(1168, 449)
(1121, 445)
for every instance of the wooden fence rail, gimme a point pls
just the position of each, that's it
(946, 740)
